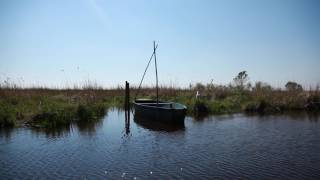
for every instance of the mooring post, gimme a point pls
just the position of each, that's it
(127, 97)
(127, 108)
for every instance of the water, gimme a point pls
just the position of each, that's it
(216, 147)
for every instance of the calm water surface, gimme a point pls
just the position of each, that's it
(217, 147)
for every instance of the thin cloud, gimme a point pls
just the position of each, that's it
(99, 12)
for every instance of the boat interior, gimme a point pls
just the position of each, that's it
(153, 103)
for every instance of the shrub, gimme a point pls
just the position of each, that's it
(54, 118)
(91, 112)
(7, 116)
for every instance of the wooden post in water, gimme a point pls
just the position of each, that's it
(127, 108)
(127, 97)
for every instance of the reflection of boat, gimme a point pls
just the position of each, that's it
(159, 125)
(155, 110)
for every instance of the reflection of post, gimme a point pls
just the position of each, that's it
(127, 108)
(125, 97)
(127, 122)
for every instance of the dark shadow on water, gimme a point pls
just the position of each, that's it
(158, 125)
(313, 116)
(293, 115)
(5, 133)
(201, 116)
(84, 127)
(89, 127)
(55, 132)
(207, 117)
(309, 116)
(127, 122)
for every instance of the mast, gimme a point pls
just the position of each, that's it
(155, 63)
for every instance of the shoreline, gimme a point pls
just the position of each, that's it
(49, 108)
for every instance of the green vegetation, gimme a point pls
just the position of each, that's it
(42, 107)
(66, 114)
(7, 115)
(51, 108)
(241, 96)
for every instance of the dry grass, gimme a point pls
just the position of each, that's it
(23, 104)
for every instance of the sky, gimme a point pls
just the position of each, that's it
(60, 43)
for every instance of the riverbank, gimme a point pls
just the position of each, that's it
(52, 107)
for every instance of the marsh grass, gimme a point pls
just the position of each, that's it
(261, 98)
(52, 107)
(46, 107)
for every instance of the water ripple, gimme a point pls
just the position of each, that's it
(227, 147)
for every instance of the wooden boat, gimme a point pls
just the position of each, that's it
(169, 112)
(156, 110)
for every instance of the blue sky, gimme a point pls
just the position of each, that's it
(60, 42)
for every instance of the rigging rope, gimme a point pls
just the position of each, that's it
(145, 71)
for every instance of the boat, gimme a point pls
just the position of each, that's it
(169, 112)
(155, 110)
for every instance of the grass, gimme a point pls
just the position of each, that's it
(43, 107)
(261, 98)
(50, 108)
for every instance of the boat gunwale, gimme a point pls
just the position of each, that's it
(164, 108)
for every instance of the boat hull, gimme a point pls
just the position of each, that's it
(162, 112)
